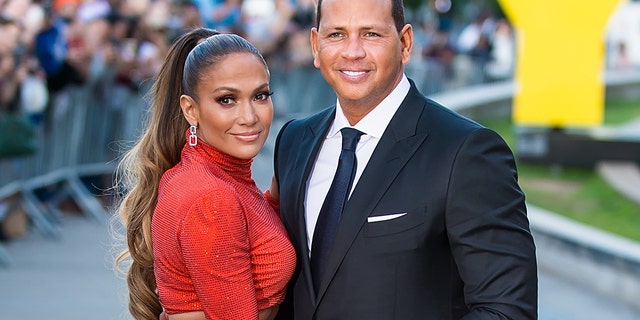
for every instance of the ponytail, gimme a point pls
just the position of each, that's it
(139, 172)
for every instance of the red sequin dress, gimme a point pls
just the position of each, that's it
(218, 244)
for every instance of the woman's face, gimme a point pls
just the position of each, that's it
(234, 109)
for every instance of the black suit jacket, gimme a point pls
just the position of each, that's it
(463, 250)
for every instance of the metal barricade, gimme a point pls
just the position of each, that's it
(81, 137)
(88, 127)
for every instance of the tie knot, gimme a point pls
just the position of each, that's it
(350, 138)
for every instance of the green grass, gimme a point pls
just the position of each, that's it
(579, 193)
(621, 111)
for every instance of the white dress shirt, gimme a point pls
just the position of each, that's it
(373, 125)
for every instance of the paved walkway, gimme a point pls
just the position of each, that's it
(73, 278)
(624, 176)
(70, 278)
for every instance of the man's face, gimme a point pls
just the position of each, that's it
(359, 51)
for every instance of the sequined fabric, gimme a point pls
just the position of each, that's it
(218, 244)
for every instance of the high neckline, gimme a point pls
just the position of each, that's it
(210, 156)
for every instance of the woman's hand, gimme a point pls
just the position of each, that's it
(268, 314)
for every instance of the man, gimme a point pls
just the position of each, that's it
(435, 226)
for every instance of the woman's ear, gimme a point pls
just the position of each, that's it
(189, 110)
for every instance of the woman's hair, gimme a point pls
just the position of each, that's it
(138, 174)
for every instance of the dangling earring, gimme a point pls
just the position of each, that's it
(193, 139)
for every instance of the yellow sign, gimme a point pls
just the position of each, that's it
(560, 61)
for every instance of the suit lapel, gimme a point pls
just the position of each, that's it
(398, 143)
(313, 138)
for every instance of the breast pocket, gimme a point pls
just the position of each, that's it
(390, 223)
(397, 231)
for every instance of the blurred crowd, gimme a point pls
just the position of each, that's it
(475, 46)
(53, 44)
(46, 46)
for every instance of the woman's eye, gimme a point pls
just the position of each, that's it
(225, 100)
(263, 95)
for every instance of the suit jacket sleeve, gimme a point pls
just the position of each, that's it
(488, 231)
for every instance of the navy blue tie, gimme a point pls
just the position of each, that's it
(334, 203)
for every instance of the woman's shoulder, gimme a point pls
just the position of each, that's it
(193, 184)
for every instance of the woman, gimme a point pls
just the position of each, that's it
(198, 229)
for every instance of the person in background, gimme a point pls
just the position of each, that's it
(223, 15)
(427, 221)
(59, 51)
(204, 241)
(12, 68)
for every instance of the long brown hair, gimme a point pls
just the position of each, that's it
(159, 149)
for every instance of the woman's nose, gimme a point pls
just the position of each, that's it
(247, 114)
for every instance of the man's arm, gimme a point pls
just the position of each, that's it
(489, 231)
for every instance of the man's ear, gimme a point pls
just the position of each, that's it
(406, 39)
(189, 110)
(313, 39)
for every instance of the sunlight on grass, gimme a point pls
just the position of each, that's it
(582, 195)
(621, 111)
(579, 193)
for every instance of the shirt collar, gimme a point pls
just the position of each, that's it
(375, 122)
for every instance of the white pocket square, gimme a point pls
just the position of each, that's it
(385, 217)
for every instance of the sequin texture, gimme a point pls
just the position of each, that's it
(218, 244)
